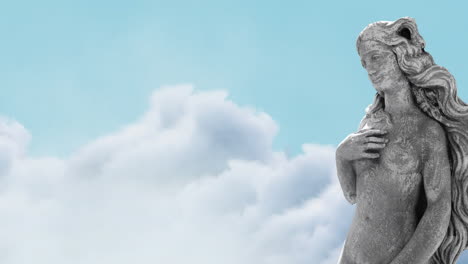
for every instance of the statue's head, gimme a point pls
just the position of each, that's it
(392, 52)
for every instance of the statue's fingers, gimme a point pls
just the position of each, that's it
(369, 155)
(376, 139)
(375, 145)
(374, 132)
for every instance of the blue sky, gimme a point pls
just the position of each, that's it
(105, 88)
(75, 70)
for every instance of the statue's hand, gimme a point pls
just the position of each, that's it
(363, 144)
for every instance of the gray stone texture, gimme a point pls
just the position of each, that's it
(406, 168)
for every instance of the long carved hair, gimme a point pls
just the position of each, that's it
(435, 93)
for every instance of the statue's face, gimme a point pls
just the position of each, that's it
(381, 65)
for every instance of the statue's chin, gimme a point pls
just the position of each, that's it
(383, 87)
(379, 88)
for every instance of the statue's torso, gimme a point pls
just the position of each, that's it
(390, 197)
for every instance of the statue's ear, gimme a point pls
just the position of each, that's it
(405, 32)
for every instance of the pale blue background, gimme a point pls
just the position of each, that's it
(74, 70)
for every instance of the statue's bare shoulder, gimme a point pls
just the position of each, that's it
(433, 138)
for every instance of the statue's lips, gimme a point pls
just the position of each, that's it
(376, 78)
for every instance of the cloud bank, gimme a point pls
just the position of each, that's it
(194, 180)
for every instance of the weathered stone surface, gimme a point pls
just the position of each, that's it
(406, 168)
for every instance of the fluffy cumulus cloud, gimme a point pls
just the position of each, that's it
(194, 180)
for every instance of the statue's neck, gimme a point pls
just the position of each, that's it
(400, 101)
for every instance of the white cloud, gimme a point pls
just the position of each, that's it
(194, 180)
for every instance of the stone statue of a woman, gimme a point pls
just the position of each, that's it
(406, 169)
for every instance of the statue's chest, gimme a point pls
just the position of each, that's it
(397, 172)
(402, 153)
(401, 156)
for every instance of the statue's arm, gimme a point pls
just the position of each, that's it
(346, 174)
(347, 178)
(437, 185)
(344, 166)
